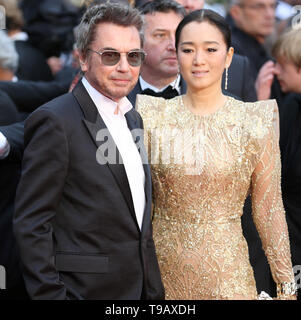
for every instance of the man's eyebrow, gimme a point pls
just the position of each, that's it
(160, 29)
(108, 48)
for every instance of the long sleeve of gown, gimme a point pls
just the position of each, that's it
(268, 210)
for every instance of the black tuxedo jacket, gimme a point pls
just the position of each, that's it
(29, 95)
(75, 225)
(29, 56)
(240, 85)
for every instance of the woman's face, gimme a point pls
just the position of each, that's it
(202, 55)
(289, 76)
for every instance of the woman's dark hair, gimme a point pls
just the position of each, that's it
(209, 16)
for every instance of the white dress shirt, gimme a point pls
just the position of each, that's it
(145, 85)
(4, 147)
(117, 126)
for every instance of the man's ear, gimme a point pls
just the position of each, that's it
(235, 12)
(83, 61)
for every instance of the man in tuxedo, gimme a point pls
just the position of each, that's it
(159, 72)
(158, 75)
(83, 227)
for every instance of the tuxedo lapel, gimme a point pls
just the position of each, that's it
(132, 95)
(104, 142)
(137, 134)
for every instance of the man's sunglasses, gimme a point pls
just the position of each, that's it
(112, 57)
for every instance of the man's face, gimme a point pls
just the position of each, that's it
(161, 59)
(191, 5)
(255, 17)
(289, 76)
(116, 81)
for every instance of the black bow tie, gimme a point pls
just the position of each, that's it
(167, 93)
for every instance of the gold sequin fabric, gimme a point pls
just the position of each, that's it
(203, 167)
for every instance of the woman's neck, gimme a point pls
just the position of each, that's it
(204, 102)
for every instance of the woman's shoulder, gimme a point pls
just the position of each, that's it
(259, 108)
(156, 109)
(144, 102)
(261, 116)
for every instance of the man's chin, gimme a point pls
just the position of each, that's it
(121, 92)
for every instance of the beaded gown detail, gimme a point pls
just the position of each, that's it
(203, 168)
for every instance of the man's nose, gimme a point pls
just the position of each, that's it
(189, 5)
(171, 43)
(123, 64)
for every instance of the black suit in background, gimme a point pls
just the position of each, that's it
(9, 173)
(29, 95)
(32, 63)
(8, 110)
(240, 86)
(290, 146)
(76, 226)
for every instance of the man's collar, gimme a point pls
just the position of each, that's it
(145, 85)
(105, 104)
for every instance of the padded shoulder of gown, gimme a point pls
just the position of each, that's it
(261, 116)
(155, 111)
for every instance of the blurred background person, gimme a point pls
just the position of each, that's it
(191, 5)
(9, 173)
(288, 71)
(8, 58)
(252, 22)
(32, 62)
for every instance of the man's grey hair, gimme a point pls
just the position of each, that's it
(163, 6)
(9, 57)
(116, 13)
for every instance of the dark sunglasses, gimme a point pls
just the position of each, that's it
(112, 57)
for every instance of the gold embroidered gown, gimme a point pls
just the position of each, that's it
(202, 169)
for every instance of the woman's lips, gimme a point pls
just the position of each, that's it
(199, 73)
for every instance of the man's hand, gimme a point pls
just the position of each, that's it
(55, 64)
(4, 146)
(264, 80)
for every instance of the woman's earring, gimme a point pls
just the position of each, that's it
(226, 81)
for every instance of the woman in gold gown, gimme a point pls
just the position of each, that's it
(206, 152)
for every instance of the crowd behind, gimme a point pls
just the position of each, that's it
(39, 61)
